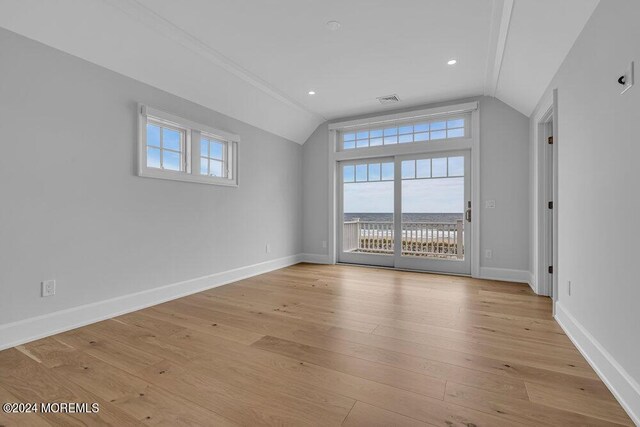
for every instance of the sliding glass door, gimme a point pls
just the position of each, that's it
(433, 215)
(410, 212)
(367, 212)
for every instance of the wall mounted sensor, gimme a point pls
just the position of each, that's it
(626, 80)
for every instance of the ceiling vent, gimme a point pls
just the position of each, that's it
(389, 99)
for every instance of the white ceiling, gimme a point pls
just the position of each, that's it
(383, 47)
(256, 60)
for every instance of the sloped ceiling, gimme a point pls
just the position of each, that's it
(256, 60)
(540, 35)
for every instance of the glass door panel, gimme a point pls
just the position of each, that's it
(434, 193)
(366, 226)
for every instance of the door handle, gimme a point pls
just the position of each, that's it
(467, 215)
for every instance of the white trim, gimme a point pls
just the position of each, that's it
(192, 131)
(146, 111)
(624, 388)
(22, 331)
(331, 226)
(409, 115)
(186, 177)
(422, 147)
(505, 274)
(150, 19)
(556, 199)
(500, 23)
(475, 193)
(315, 258)
(546, 111)
(334, 155)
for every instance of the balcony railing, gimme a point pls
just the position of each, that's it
(431, 239)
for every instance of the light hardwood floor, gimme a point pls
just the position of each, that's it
(320, 345)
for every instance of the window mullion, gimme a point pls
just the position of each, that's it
(161, 148)
(192, 150)
(225, 165)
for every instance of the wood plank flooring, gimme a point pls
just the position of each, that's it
(320, 345)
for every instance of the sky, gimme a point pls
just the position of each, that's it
(436, 195)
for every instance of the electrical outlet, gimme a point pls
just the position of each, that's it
(48, 288)
(569, 287)
(488, 253)
(324, 244)
(490, 204)
(267, 248)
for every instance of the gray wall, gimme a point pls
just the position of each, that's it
(315, 178)
(598, 150)
(504, 139)
(504, 177)
(73, 210)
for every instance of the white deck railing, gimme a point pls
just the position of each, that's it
(438, 239)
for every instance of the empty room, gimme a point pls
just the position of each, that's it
(325, 213)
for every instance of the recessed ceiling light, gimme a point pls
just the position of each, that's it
(333, 25)
(452, 62)
(312, 92)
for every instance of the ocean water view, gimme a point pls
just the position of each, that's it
(406, 217)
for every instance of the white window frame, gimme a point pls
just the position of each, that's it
(399, 124)
(191, 157)
(470, 142)
(226, 159)
(184, 143)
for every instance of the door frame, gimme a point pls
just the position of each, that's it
(472, 143)
(545, 189)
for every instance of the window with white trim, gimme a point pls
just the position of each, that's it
(213, 156)
(172, 147)
(165, 146)
(409, 132)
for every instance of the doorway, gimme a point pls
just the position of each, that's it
(549, 206)
(545, 196)
(423, 200)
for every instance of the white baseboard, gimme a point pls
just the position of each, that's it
(621, 384)
(23, 331)
(505, 274)
(315, 258)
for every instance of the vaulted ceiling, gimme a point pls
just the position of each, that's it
(256, 61)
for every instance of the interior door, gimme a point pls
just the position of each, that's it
(366, 212)
(433, 212)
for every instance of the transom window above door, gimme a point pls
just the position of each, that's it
(405, 133)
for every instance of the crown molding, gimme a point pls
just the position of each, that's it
(500, 22)
(155, 22)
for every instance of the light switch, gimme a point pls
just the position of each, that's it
(490, 204)
(48, 288)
